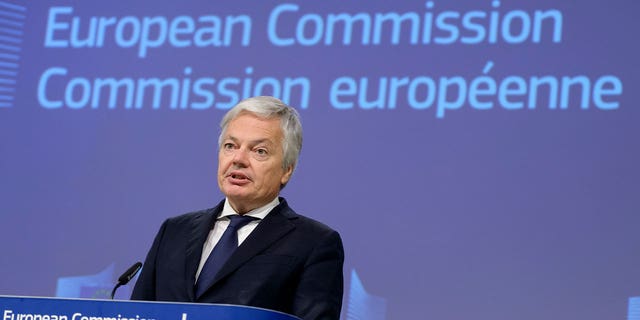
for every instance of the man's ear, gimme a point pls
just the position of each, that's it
(286, 176)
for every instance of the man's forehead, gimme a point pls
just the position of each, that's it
(257, 131)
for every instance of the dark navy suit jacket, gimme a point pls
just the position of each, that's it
(289, 263)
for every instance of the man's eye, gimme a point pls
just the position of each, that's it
(228, 146)
(262, 152)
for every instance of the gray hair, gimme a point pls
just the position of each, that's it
(269, 108)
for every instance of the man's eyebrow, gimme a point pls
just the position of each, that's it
(257, 141)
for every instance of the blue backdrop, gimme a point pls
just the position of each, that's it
(480, 158)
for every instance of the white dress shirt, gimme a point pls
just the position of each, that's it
(223, 221)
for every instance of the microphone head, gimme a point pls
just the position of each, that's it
(130, 273)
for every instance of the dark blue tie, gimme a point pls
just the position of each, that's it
(221, 253)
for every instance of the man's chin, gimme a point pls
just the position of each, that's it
(236, 195)
(236, 191)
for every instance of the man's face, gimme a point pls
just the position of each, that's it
(250, 162)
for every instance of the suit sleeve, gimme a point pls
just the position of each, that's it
(318, 295)
(145, 288)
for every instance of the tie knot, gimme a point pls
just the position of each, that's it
(238, 221)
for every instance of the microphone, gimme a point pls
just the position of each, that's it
(126, 277)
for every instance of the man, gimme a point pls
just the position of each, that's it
(283, 261)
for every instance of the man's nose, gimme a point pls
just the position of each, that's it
(241, 157)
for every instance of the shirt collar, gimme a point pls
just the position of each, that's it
(259, 213)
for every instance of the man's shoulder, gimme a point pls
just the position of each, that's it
(310, 235)
(306, 223)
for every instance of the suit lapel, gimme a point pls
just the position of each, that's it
(201, 226)
(275, 226)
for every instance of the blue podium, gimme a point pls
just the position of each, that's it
(34, 308)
